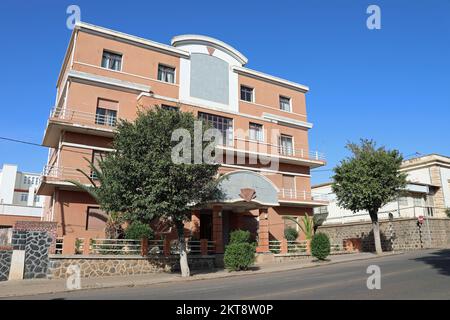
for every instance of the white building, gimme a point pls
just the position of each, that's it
(18, 200)
(426, 194)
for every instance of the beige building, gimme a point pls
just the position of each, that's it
(426, 194)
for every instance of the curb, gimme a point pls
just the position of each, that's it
(130, 283)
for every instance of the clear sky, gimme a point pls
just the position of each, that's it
(392, 85)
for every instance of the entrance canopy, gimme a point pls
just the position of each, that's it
(247, 190)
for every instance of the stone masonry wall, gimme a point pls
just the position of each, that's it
(5, 263)
(96, 266)
(399, 234)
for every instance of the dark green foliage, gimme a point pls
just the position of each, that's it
(239, 256)
(140, 179)
(290, 234)
(138, 230)
(239, 236)
(447, 212)
(369, 179)
(320, 246)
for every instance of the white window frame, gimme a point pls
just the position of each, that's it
(116, 53)
(167, 66)
(290, 103)
(253, 93)
(262, 132)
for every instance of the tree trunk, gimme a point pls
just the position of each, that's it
(376, 231)
(184, 266)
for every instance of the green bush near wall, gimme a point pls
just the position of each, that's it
(290, 234)
(320, 246)
(240, 253)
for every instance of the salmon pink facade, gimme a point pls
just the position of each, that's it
(108, 75)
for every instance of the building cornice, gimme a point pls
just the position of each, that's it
(108, 81)
(272, 79)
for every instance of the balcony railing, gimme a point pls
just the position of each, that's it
(294, 195)
(261, 147)
(81, 117)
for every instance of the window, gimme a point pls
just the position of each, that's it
(25, 180)
(97, 156)
(286, 145)
(37, 198)
(96, 219)
(24, 197)
(224, 125)
(106, 113)
(285, 104)
(170, 108)
(256, 132)
(418, 202)
(166, 74)
(112, 61)
(246, 93)
(288, 186)
(403, 201)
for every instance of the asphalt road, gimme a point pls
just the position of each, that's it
(414, 275)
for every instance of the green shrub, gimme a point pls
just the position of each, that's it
(239, 256)
(290, 234)
(239, 236)
(320, 246)
(138, 230)
(447, 211)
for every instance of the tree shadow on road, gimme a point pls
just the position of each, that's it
(439, 260)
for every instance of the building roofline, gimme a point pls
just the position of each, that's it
(201, 39)
(273, 79)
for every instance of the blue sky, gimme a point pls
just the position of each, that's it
(391, 85)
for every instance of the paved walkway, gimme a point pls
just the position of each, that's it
(40, 286)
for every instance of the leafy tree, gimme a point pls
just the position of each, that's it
(140, 180)
(138, 230)
(306, 225)
(368, 180)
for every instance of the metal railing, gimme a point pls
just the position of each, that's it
(262, 147)
(115, 247)
(275, 246)
(83, 117)
(292, 194)
(59, 245)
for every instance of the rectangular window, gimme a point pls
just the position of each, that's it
(106, 113)
(288, 186)
(403, 201)
(418, 202)
(96, 219)
(112, 60)
(166, 74)
(170, 108)
(97, 157)
(286, 145)
(224, 125)
(285, 103)
(246, 93)
(25, 180)
(255, 132)
(37, 198)
(24, 197)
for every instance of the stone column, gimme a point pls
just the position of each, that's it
(263, 232)
(217, 232)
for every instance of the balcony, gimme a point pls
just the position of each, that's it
(19, 210)
(284, 154)
(300, 198)
(57, 176)
(65, 119)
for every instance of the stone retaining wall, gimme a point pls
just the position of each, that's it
(399, 234)
(5, 263)
(101, 266)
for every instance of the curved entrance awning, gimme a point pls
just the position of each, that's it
(247, 190)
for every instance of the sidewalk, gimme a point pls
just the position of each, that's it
(40, 286)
